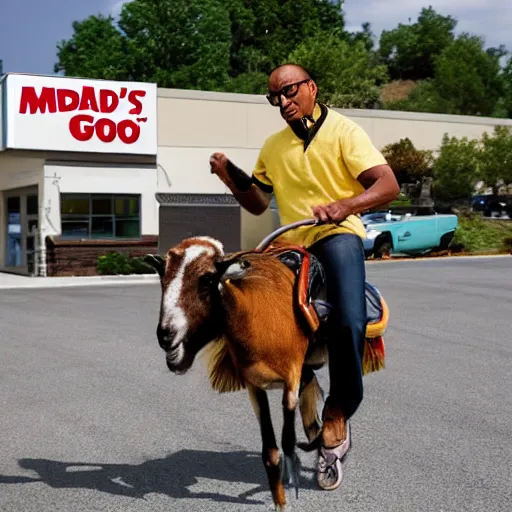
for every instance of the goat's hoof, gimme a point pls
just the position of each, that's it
(291, 472)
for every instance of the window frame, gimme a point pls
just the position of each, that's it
(91, 196)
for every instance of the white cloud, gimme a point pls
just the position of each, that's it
(115, 7)
(489, 19)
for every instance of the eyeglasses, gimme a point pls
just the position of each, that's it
(288, 91)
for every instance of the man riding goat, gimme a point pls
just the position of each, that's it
(322, 165)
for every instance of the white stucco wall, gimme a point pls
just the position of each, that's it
(73, 178)
(187, 170)
(204, 119)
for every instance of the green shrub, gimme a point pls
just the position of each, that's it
(507, 244)
(475, 234)
(139, 266)
(116, 263)
(401, 200)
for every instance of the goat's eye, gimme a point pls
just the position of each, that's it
(206, 280)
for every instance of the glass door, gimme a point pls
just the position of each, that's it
(14, 235)
(22, 225)
(31, 232)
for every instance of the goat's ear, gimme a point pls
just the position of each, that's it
(156, 261)
(222, 265)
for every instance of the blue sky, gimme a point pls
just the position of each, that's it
(30, 29)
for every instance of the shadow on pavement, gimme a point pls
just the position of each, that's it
(169, 476)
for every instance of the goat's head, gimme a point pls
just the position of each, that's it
(190, 312)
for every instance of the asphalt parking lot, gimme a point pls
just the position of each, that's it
(91, 420)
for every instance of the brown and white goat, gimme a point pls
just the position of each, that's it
(240, 309)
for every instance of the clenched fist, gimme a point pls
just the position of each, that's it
(219, 166)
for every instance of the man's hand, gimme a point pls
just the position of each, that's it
(249, 196)
(381, 188)
(219, 166)
(333, 212)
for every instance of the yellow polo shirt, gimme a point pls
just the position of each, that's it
(303, 174)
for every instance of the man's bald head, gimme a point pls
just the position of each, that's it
(294, 71)
(293, 86)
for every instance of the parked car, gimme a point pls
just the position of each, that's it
(492, 205)
(388, 233)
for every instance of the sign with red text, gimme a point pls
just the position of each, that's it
(80, 115)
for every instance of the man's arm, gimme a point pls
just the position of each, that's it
(369, 167)
(380, 186)
(249, 195)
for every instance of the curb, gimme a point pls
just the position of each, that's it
(25, 283)
(437, 258)
(22, 282)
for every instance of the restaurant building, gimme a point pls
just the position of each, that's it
(92, 166)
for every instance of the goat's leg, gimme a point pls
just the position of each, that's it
(291, 469)
(270, 451)
(311, 399)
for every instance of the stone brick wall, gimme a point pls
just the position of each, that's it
(80, 257)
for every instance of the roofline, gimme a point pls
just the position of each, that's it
(192, 94)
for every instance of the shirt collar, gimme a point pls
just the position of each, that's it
(308, 125)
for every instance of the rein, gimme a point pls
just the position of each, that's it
(265, 243)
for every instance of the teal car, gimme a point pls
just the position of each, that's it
(408, 234)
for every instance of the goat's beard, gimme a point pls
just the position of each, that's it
(180, 359)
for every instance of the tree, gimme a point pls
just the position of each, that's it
(265, 32)
(96, 50)
(507, 88)
(421, 96)
(456, 169)
(349, 80)
(176, 43)
(179, 43)
(496, 158)
(467, 77)
(365, 35)
(409, 50)
(208, 44)
(468, 81)
(408, 163)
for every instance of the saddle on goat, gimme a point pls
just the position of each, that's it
(311, 301)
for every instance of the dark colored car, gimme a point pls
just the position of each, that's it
(492, 205)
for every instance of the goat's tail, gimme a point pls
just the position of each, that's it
(222, 371)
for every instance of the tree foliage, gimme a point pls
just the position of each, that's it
(507, 88)
(495, 167)
(176, 43)
(456, 168)
(264, 32)
(349, 81)
(232, 45)
(96, 50)
(201, 44)
(409, 50)
(408, 163)
(467, 77)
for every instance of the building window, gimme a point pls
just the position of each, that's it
(100, 216)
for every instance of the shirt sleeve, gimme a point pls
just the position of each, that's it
(358, 151)
(260, 175)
